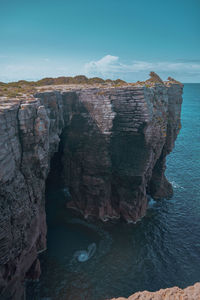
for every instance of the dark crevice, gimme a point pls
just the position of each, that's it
(54, 179)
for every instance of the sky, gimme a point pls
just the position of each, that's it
(107, 38)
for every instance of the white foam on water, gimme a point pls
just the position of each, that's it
(101, 250)
(176, 185)
(84, 255)
(151, 203)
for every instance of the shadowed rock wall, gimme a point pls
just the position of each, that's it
(115, 142)
(115, 149)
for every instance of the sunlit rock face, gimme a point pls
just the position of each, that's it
(114, 146)
(174, 293)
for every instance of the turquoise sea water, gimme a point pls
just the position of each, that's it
(162, 250)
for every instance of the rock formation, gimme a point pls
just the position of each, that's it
(114, 146)
(174, 293)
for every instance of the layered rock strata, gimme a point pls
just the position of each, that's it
(174, 293)
(114, 146)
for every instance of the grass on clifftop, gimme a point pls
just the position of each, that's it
(14, 89)
(17, 89)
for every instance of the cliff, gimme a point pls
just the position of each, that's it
(114, 146)
(175, 293)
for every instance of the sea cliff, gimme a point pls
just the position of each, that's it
(114, 146)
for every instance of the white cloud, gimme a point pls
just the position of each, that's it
(106, 64)
(111, 66)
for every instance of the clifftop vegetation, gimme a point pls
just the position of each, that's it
(21, 87)
(13, 89)
(172, 80)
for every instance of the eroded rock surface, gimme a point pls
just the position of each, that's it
(175, 293)
(115, 142)
(115, 148)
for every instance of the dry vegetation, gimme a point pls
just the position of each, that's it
(14, 89)
(172, 80)
(23, 87)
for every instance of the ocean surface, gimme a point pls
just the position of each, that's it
(160, 251)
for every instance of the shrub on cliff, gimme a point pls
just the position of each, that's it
(108, 81)
(119, 82)
(63, 80)
(174, 80)
(80, 79)
(45, 81)
(94, 80)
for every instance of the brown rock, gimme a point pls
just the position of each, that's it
(174, 293)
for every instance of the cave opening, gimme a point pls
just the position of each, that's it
(54, 178)
(56, 194)
(71, 241)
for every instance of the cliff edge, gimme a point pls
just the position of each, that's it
(114, 146)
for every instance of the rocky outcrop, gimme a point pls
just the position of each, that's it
(28, 137)
(174, 293)
(115, 148)
(114, 145)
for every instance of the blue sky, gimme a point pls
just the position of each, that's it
(107, 38)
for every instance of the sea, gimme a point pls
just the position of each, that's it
(96, 261)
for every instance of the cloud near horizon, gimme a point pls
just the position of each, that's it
(111, 66)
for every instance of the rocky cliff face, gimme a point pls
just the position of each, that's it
(114, 146)
(175, 293)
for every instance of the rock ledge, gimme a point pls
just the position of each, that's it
(174, 293)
